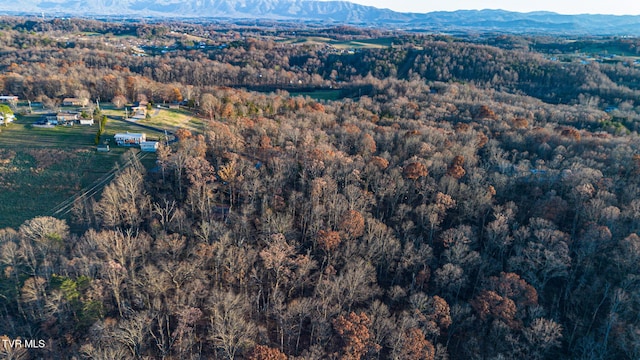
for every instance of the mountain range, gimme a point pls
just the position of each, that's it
(335, 12)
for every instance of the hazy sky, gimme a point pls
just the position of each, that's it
(616, 7)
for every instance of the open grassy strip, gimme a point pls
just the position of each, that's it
(173, 119)
(332, 94)
(378, 43)
(170, 119)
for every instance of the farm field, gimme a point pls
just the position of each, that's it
(42, 167)
(331, 94)
(173, 119)
(378, 43)
(116, 125)
(169, 119)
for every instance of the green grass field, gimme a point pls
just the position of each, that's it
(115, 126)
(173, 119)
(42, 167)
(379, 43)
(169, 119)
(319, 94)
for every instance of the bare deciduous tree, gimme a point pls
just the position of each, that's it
(230, 328)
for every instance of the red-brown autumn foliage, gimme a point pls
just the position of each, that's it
(315, 106)
(262, 352)
(411, 133)
(415, 170)
(456, 170)
(484, 112)
(182, 134)
(489, 304)
(356, 340)
(442, 312)
(352, 224)
(379, 162)
(351, 129)
(328, 240)
(515, 288)
(265, 142)
(482, 140)
(416, 347)
(367, 145)
(462, 127)
(228, 110)
(520, 123)
(571, 133)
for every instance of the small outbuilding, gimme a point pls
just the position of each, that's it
(103, 148)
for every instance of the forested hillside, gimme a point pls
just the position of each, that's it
(460, 199)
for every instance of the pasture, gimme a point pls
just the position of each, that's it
(169, 119)
(378, 43)
(42, 167)
(322, 94)
(173, 119)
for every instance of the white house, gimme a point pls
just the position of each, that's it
(149, 146)
(9, 99)
(130, 139)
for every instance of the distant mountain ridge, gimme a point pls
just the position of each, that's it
(339, 11)
(336, 12)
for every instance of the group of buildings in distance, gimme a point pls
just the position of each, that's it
(75, 117)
